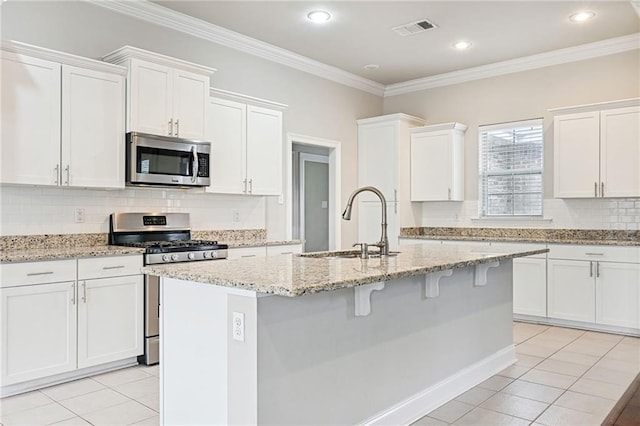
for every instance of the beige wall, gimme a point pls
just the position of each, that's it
(317, 107)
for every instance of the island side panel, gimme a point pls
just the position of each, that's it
(320, 364)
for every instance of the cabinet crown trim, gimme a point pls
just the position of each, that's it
(125, 53)
(246, 98)
(623, 103)
(61, 57)
(439, 127)
(410, 119)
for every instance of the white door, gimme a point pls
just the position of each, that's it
(377, 156)
(226, 129)
(431, 166)
(30, 145)
(92, 128)
(150, 98)
(314, 202)
(571, 287)
(576, 144)
(190, 97)
(110, 319)
(618, 294)
(38, 331)
(264, 151)
(620, 152)
(530, 286)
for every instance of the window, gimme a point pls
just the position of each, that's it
(511, 169)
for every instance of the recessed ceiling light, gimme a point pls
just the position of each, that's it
(462, 45)
(582, 16)
(319, 16)
(371, 67)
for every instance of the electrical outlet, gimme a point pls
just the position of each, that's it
(236, 216)
(79, 215)
(238, 326)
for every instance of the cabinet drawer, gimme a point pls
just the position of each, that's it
(28, 273)
(238, 253)
(586, 252)
(101, 267)
(286, 249)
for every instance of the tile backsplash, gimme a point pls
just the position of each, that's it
(32, 210)
(610, 213)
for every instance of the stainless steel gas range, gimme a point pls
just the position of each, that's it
(166, 238)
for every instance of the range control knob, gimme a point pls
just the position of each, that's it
(191, 256)
(165, 258)
(174, 257)
(206, 254)
(214, 254)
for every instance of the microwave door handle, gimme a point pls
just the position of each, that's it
(194, 166)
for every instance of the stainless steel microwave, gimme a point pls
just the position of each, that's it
(163, 160)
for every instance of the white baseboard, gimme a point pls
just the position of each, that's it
(578, 325)
(422, 403)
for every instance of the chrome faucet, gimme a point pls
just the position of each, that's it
(346, 215)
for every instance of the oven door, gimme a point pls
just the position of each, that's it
(160, 160)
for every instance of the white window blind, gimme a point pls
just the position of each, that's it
(511, 157)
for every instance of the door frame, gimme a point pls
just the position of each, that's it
(335, 182)
(304, 157)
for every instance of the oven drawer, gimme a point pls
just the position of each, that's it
(102, 267)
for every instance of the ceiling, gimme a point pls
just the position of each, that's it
(360, 32)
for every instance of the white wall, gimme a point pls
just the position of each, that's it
(317, 107)
(520, 96)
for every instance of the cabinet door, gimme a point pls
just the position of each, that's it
(264, 151)
(618, 294)
(92, 128)
(150, 101)
(530, 286)
(571, 290)
(369, 223)
(30, 111)
(620, 152)
(431, 167)
(377, 159)
(190, 96)
(110, 319)
(576, 140)
(38, 331)
(227, 131)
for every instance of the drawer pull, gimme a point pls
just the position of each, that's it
(249, 255)
(287, 252)
(594, 254)
(34, 274)
(113, 267)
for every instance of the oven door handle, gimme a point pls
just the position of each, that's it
(195, 165)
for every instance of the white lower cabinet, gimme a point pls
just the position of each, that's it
(38, 331)
(618, 294)
(572, 293)
(530, 286)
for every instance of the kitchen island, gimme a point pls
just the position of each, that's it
(327, 339)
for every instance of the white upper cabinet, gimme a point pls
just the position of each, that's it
(597, 150)
(165, 96)
(62, 119)
(437, 162)
(246, 148)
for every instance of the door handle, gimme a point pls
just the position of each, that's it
(66, 169)
(595, 189)
(250, 186)
(195, 165)
(171, 127)
(602, 189)
(591, 268)
(395, 201)
(449, 193)
(84, 291)
(73, 293)
(177, 127)
(597, 269)
(57, 169)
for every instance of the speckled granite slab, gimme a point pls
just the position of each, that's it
(31, 255)
(51, 241)
(295, 275)
(537, 235)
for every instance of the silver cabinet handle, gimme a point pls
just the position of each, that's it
(591, 268)
(194, 166)
(449, 195)
(602, 189)
(598, 269)
(84, 291)
(250, 186)
(57, 173)
(73, 293)
(177, 127)
(395, 201)
(244, 184)
(113, 267)
(287, 252)
(595, 188)
(171, 127)
(33, 274)
(594, 254)
(249, 255)
(66, 169)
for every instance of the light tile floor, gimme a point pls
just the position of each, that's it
(562, 377)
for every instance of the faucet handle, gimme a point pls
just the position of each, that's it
(364, 250)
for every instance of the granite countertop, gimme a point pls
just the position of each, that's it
(526, 235)
(60, 253)
(259, 243)
(295, 275)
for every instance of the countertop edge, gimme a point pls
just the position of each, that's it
(624, 243)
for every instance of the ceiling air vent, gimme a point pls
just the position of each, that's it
(414, 27)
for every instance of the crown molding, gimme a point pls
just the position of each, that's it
(125, 53)
(554, 57)
(391, 118)
(440, 127)
(159, 15)
(623, 103)
(246, 98)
